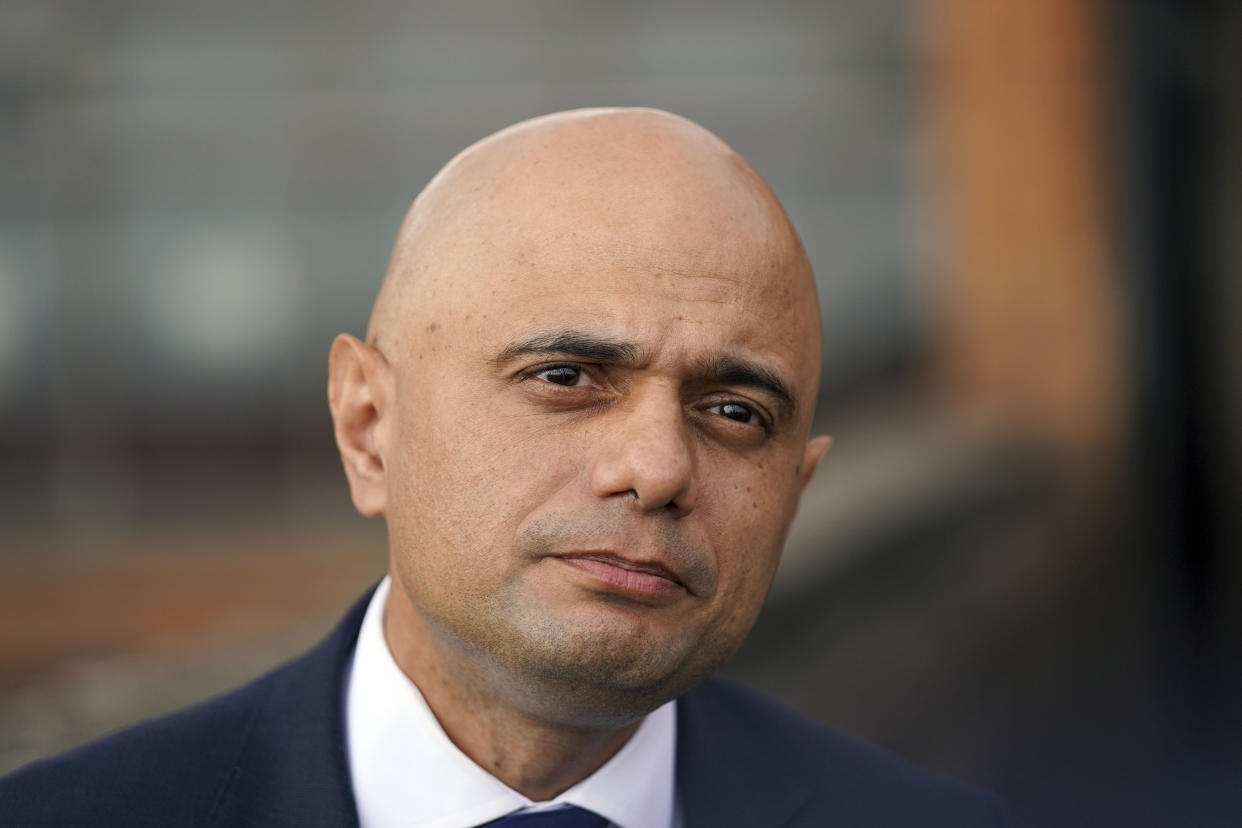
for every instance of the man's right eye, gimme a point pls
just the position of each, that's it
(566, 375)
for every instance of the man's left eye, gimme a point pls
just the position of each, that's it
(565, 375)
(738, 412)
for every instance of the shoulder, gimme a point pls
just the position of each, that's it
(817, 771)
(168, 771)
(270, 753)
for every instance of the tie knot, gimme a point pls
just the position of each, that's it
(566, 817)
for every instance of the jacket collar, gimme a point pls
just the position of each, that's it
(731, 769)
(293, 769)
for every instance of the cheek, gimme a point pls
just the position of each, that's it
(469, 471)
(748, 515)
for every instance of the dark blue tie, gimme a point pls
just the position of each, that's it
(570, 817)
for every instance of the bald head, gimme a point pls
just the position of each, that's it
(591, 187)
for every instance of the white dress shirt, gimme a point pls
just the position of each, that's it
(406, 772)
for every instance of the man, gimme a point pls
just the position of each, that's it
(582, 408)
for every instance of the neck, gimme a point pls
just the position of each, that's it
(533, 754)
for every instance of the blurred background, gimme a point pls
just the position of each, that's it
(1019, 565)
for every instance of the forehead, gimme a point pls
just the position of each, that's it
(708, 246)
(678, 306)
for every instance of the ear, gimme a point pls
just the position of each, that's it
(360, 394)
(816, 448)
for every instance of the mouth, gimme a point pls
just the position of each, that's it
(642, 580)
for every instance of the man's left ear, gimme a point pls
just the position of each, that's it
(816, 448)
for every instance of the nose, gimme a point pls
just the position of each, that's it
(647, 453)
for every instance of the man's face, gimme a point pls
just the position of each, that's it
(597, 436)
(596, 464)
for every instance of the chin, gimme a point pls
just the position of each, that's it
(597, 677)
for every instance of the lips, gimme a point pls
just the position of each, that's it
(642, 580)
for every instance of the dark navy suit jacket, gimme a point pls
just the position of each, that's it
(272, 754)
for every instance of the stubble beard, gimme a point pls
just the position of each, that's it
(593, 662)
(574, 672)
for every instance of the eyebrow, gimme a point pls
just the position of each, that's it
(725, 370)
(570, 343)
(735, 371)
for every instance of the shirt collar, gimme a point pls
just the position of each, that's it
(406, 773)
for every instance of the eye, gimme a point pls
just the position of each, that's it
(566, 375)
(738, 413)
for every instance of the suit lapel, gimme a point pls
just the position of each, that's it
(728, 773)
(294, 767)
